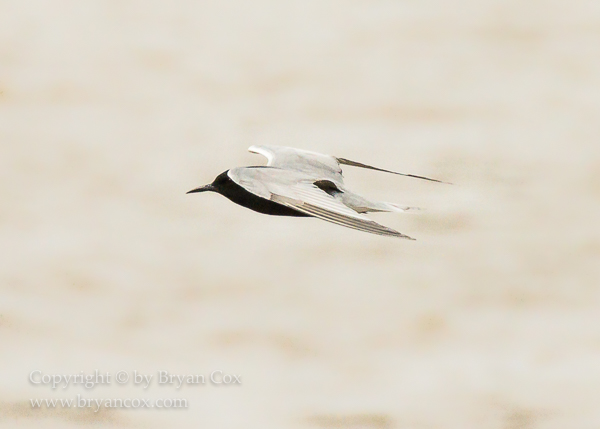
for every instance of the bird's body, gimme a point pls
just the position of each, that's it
(302, 184)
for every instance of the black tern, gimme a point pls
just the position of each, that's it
(301, 183)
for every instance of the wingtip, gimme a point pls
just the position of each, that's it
(345, 161)
(407, 237)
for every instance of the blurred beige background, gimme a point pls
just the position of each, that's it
(111, 110)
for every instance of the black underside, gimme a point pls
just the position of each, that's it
(240, 196)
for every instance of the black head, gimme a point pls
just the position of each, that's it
(220, 183)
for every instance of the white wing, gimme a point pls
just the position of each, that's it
(298, 191)
(325, 166)
(313, 163)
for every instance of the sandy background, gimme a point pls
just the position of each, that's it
(111, 110)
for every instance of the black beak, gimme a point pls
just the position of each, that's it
(202, 189)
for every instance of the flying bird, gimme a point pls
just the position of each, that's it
(301, 183)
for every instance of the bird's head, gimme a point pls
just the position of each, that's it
(216, 186)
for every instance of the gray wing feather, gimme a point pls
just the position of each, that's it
(364, 225)
(298, 191)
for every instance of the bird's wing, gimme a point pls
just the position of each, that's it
(354, 221)
(326, 166)
(297, 191)
(287, 158)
